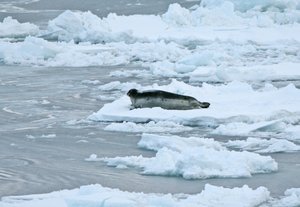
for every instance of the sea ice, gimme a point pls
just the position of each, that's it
(203, 23)
(194, 158)
(291, 199)
(11, 28)
(231, 102)
(263, 145)
(96, 195)
(161, 126)
(286, 127)
(202, 53)
(117, 85)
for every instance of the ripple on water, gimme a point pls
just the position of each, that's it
(13, 162)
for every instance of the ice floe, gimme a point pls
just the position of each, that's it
(96, 195)
(11, 28)
(194, 158)
(285, 126)
(184, 43)
(82, 26)
(37, 51)
(291, 199)
(117, 85)
(161, 126)
(178, 23)
(263, 145)
(232, 102)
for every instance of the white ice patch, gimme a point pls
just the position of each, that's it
(82, 26)
(291, 199)
(259, 5)
(117, 85)
(263, 145)
(233, 102)
(204, 23)
(199, 59)
(95, 195)
(177, 143)
(36, 51)
(161, 126)
(11, 28)
(194, 158)
(48, 135)
(92, 158)
(285, 126)
(278, 71)
(91, 82)
(217, 41)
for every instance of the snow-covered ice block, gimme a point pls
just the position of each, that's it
(11, 28)
(194, 158)
(263, 145)
(161, 126)
(284, 126)
(96, 195)
(223, 21)
(231, 102)
(291, 199)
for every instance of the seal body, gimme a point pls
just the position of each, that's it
(164, 99)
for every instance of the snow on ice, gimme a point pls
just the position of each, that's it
(161, 126)
(11, 28)
(96, 195)
(155, 142)
(291, 199)
(235, 102)
(263, 145)
(286, 127)
(194, 158)
(215, 41)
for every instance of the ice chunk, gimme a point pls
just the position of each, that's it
(231, 102)
(291, 199)
(194, 158)
(12, 28)
(263, 145)
(161, 126)
(93, 195)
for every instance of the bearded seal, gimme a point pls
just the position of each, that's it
(164, 99)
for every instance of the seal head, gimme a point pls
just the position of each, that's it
(132, 92)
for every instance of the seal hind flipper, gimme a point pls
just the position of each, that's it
(204, 104)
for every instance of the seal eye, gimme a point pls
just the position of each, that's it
(132, 92)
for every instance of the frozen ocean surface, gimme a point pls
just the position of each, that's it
(65, 68)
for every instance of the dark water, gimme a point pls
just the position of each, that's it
(44, 141)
